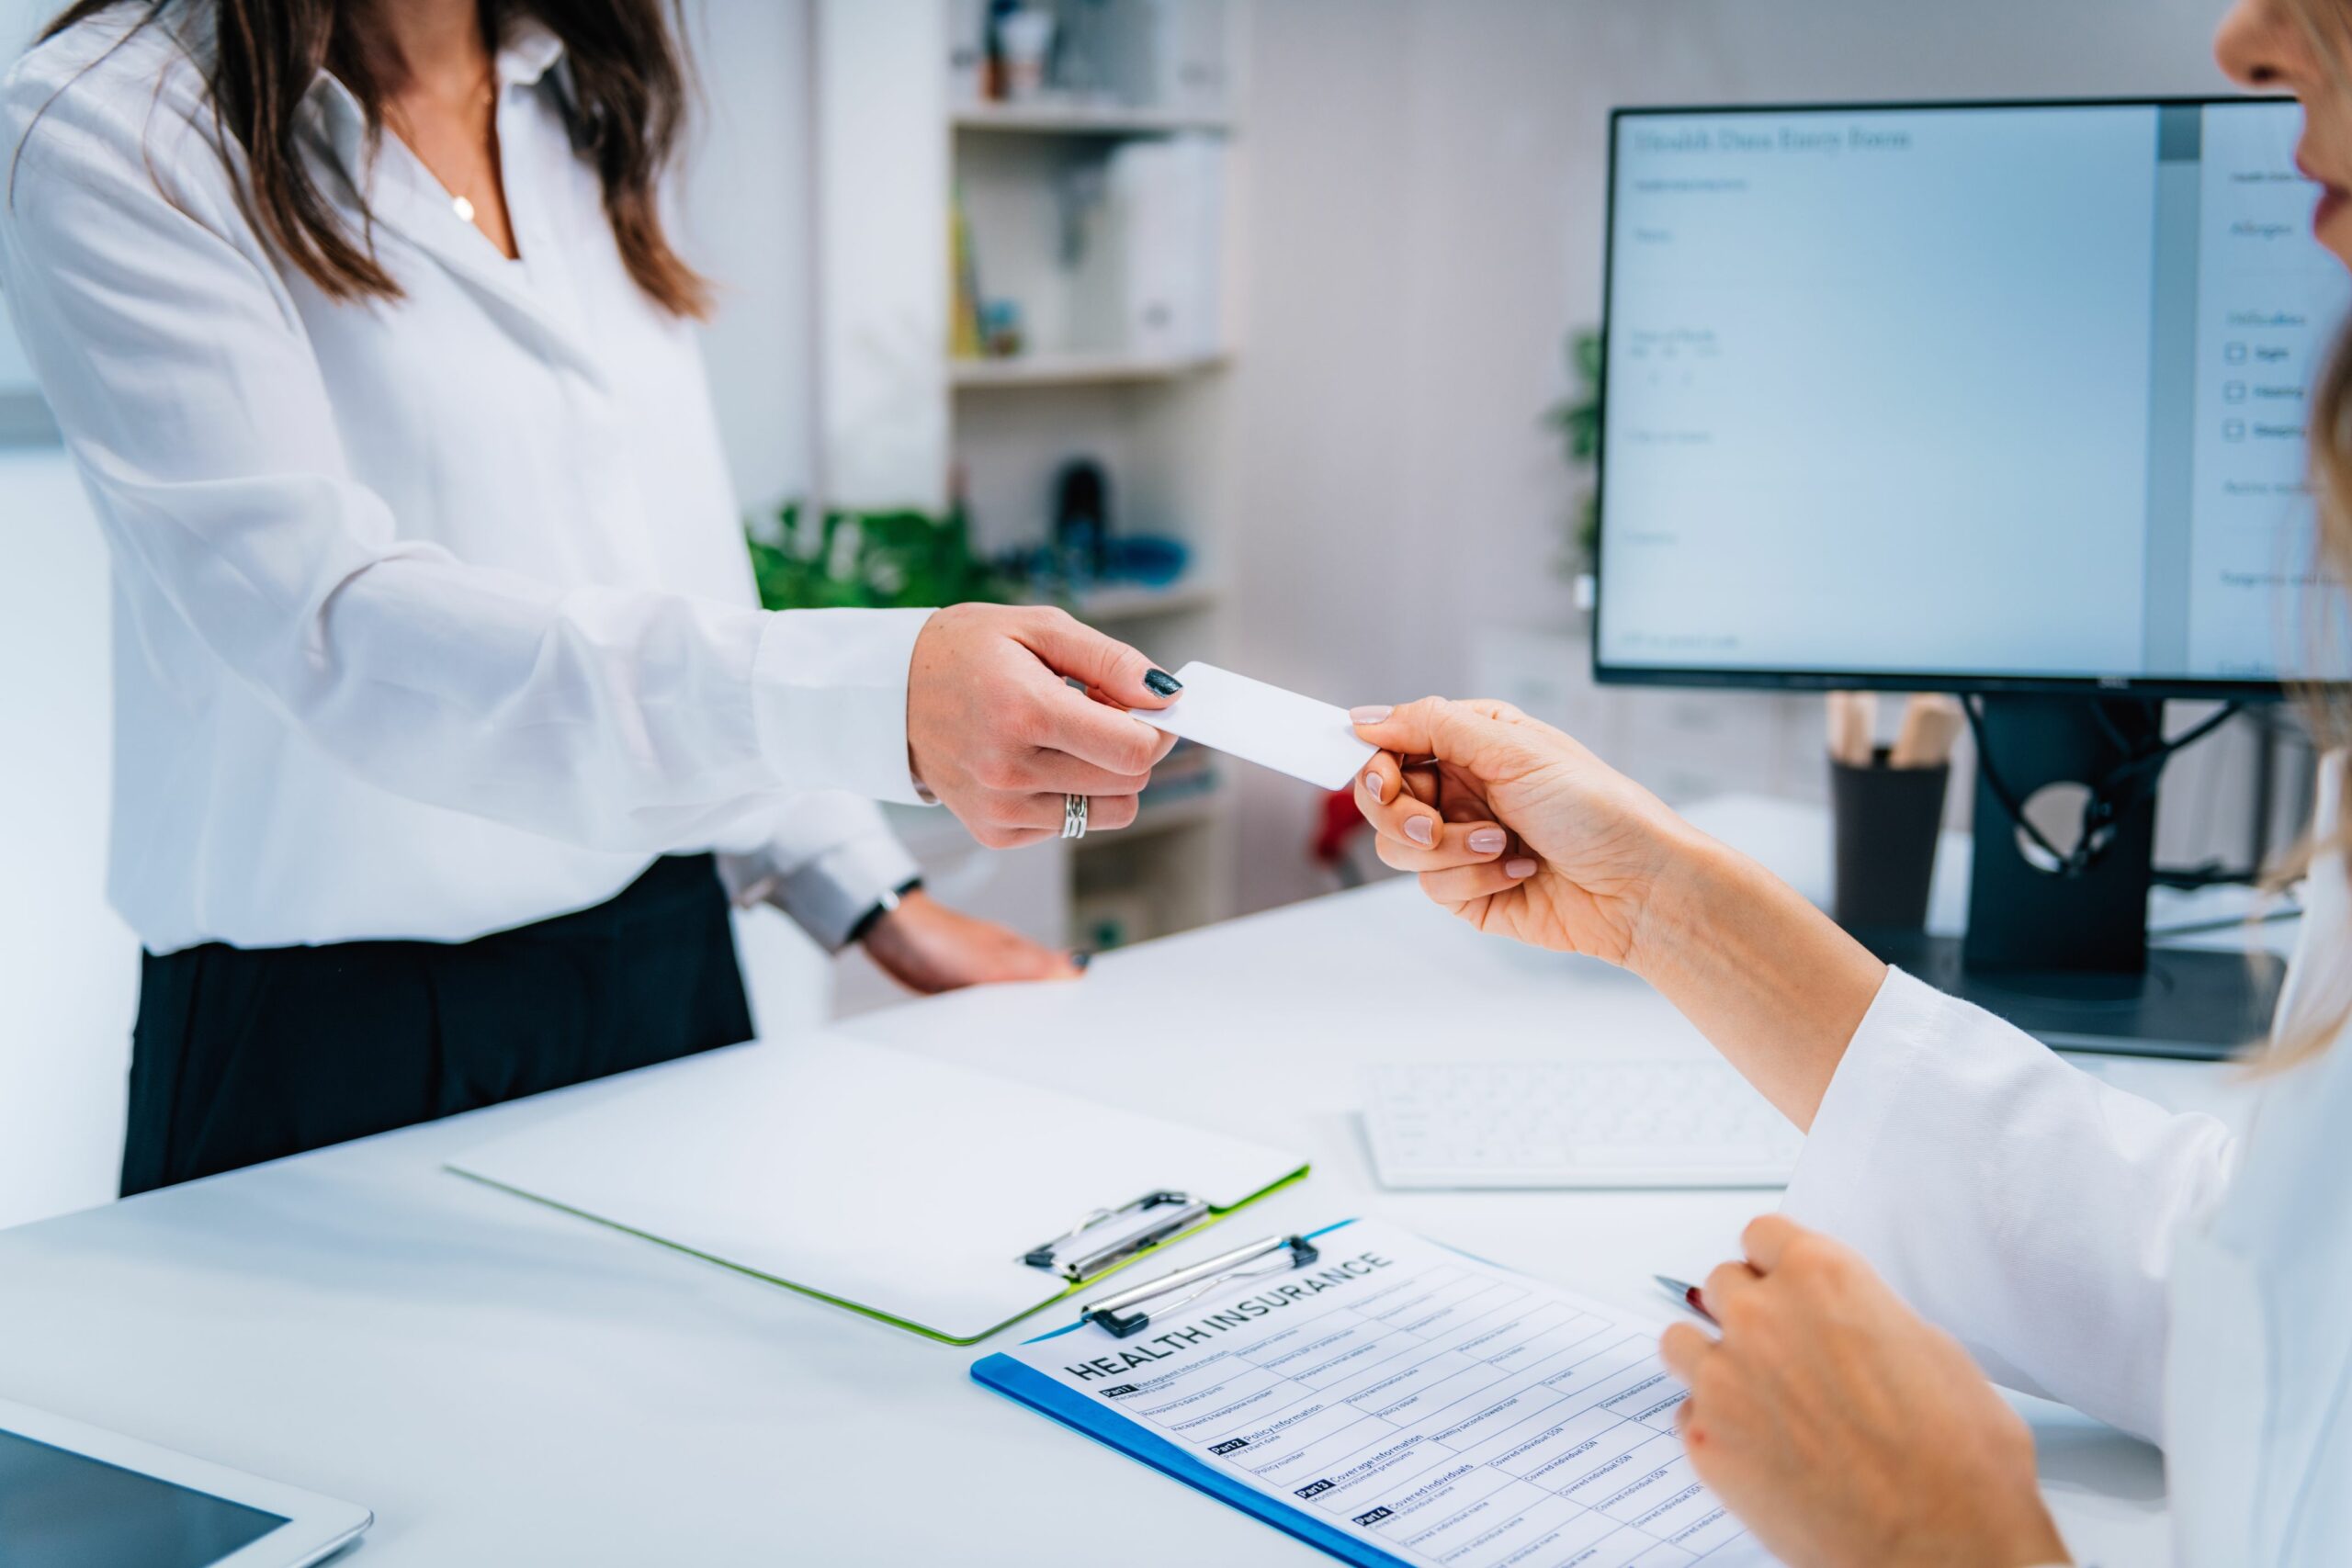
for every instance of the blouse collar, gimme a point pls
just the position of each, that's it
(528, 49)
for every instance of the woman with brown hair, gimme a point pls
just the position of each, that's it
(443, 699)
(2189, 1286)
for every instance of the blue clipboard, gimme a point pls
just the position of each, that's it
(1018, 1382)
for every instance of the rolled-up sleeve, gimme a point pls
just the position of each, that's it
(179, 370)
(2010, 1197)
(829, 859)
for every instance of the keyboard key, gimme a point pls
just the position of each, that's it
(1630, 1122)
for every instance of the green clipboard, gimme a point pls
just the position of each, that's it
(949, 1202)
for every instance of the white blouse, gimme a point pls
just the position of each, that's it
(2086, 1244)
(432, 616)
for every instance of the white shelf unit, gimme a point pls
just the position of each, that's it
(1075, 369)
(1085, 119)
(1122, 607)
(900, 416)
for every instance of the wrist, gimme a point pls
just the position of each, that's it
(2035, 1542)
(1979, 1518)
(884, 909)
(1769, 980)
(1680, 901)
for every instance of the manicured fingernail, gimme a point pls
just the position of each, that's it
(1421, 829)
(1080, 959)
(1373, 783)
(1519, 870)
(1487, 841)
(1160, 680)
(1376, 713)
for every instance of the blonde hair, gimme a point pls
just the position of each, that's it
(2327, 24)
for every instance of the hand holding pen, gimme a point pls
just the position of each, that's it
(1684, 1292)
(1802, 1414)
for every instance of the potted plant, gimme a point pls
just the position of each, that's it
(1576, 418)
(871, 560)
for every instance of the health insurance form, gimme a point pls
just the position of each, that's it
(1445, 1411)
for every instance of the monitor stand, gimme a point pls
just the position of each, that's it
(2066, 958)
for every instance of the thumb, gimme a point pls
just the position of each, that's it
(1109, 667)
(1766, 1238)
(1450, 731)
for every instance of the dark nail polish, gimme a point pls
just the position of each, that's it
(1160, 680)
(1081, 958)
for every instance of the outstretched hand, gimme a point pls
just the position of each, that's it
(999, 735)
(1514, 826)
(1519, 831)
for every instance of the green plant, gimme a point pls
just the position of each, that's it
(1577, 419)
(870, 561)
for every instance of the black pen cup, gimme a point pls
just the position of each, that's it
(1886, 822)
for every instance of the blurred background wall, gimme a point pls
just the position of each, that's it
(1414, 234)
(1425, 208)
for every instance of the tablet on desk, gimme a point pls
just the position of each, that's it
(76, 1497)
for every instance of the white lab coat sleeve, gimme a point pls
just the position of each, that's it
(829, 858)
(2009, 1197)
(178, 369)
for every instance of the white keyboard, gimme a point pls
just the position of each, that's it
(1614, 1123)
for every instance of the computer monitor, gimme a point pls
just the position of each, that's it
(2001, 398)
(1972, 396)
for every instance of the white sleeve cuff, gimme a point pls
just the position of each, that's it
(830, 858)
(2009, 1197)
(1894, 1164)
(830, 698)
(830, 895)
(1838, 1183)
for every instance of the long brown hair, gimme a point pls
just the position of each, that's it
(629, 90)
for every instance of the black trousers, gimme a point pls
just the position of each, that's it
(242, 1055)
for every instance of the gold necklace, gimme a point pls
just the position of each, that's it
(458, 201)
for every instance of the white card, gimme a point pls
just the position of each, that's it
(1264, 725)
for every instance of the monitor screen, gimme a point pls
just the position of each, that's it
(1963, 396)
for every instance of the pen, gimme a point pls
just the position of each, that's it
(1122, 1314)
(1685, 1292)
(1930, 724)
(1853, 723)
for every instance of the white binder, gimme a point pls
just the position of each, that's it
(941, 1200)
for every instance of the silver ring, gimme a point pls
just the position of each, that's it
(1073, 816)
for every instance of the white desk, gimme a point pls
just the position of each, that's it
(504, 1384)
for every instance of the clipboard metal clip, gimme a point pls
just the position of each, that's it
(1112, 1236)
(1123, 1314)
